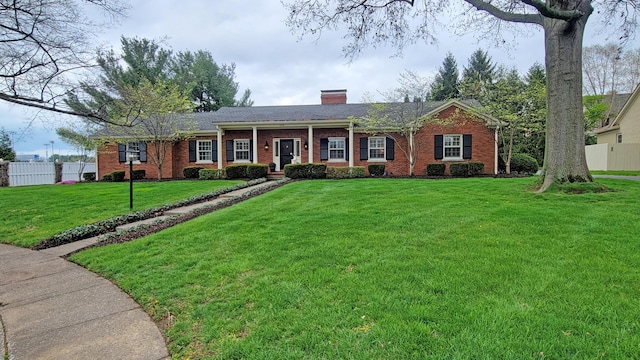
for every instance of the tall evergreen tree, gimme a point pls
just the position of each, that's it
(478, 77)
(445, 84)
(6, 149)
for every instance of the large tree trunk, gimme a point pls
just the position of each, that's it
(564, 158)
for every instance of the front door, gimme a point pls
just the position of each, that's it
(286, 152)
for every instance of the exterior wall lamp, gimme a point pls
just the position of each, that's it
(306, 145)
(266, 145)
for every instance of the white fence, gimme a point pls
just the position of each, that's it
(23, 173)
(613, 156)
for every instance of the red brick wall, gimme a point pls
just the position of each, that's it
(108, 162)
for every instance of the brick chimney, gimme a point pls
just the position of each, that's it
(333, 96)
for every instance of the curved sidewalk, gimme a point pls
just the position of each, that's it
(53, 309)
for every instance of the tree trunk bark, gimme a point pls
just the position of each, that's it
(564, 157)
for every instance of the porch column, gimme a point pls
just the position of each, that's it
(495, 152)
(219, 149)
(351, 144)
(255, 144)
(310, 143)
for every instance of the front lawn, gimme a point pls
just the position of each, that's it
(395, 269)
(33, 213)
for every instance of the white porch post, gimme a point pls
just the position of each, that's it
(495, 152)
(255, 144)
(410, 150)
(220, 148)
(351, 144)
(310, 143)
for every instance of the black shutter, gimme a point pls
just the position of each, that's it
(250, 150)
(229, 150)
(143, 151)
(324, 149)
(439, 147)
(346, 148)
(466, 146)
(390, 150)
(364, 148)
(214, 150)
(122, 153)
(192, 150)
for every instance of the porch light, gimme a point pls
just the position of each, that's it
(266, 145)
(306, 145)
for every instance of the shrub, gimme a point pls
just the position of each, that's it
(297, 171)
(118, 176)
(107, 177)
(191, 172)
(212, 174)
(138, 174)
(476, 168)
(257, 171)
(89, 176)
(436, 169)
(236, 171)
(376, 169)
(459, 169)
(523, 163)
(345, 172)
(318, 170)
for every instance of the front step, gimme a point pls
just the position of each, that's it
(276, 175)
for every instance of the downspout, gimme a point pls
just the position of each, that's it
(310, 144)
(255, 145)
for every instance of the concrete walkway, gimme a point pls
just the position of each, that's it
(53, 309)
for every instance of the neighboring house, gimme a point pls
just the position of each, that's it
(326, 133)
(618, 146)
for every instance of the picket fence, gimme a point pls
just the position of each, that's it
(36, 173)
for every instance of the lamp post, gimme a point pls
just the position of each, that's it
(132, 156)
(46, 152)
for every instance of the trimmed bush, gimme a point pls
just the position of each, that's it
(191, 172)
(318, 170)
(476, 168)
(376, 169)
(212, 174)
(459, 169)
(107, 177)
(257, 171)
(89, 176)
(236, 171)
(305, 171)
(436, 169)
(345, 172)
(524, 164)
(118, 176)
(138, 174)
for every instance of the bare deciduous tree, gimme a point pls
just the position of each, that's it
(44, 47)
(399, 22)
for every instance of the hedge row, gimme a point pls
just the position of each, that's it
(345, 172)
(465, 169)
(109, 225)
(305, 171)
(116, 176)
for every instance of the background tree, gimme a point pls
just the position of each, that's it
(478, 77)
(6, 147)
(399, 22)
(445, 84)
(532, 140)
(609, 69)
(158, 114)
(208, 85)
(81, 141)
(411, 87)
(44, 46)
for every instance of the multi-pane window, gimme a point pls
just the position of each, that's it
(452, 146)
(241, 149)
(133, 151)
(336, 148)
(376, 148)
(205, 150)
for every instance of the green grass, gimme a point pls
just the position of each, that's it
(616, 172)
(395, 269)
(33, 213)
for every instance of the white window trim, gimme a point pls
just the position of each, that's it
(198, 161)
(384, 150)
(235, 151)
(344, 149)
(444, 148)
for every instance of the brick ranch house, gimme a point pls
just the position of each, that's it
(326, 133)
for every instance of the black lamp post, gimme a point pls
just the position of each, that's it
(132, 155)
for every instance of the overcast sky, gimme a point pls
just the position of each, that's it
(278, 67)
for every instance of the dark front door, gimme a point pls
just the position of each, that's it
(286, 152)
